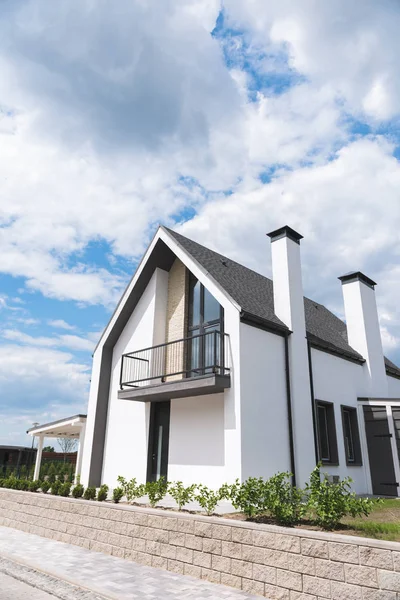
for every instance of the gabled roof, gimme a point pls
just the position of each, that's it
(255, 295)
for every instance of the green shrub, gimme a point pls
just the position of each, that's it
(330, 502)
(118, 493)
(65, 489)
(208, 499)
(45, 486)
(249, 496)
(55, 487)
(23, 485)
(2, 482)
(181, 494)
(102, 493)
(156, 490)
(90, 493)
(284, 501)
(34, 486)
(52, 473)
(131, 489)
(78, 490)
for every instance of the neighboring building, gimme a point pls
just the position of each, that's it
(12, 458)
(208, 372)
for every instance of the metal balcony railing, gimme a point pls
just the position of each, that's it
(194, 356)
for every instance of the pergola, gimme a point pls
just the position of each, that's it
(71, 427)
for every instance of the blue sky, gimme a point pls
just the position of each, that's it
(223, 120)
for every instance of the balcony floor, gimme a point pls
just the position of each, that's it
(182, 388)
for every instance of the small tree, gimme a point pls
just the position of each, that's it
(67, 445)
(48, 449)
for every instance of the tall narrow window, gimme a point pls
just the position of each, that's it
(327, 443)
(351, 437)
(205, 327)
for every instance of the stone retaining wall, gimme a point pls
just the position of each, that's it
(279, 563)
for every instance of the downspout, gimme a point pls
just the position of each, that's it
(310, 370)
(289, 410)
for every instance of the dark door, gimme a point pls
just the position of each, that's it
(380, 451)
(157, 464)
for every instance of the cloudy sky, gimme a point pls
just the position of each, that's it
(224, 120)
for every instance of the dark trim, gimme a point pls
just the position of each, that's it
(264, 324)
(319, 344)
(357, 276)
(289, 410)
(283, 232)
(392, 374)
(150, 448)
(100, 418)
(310, 371)
(357, 462)
(332, 436)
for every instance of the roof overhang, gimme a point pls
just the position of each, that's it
(161, 253)
(182, 388)
(70, 427)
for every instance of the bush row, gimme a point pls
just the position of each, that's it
(321, 502)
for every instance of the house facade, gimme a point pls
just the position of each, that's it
(208, 372)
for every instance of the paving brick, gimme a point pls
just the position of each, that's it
(253, 587)
(317, 586)
(329, 569)
(193, 541)
(264, 574)
(272, 592)
(375, 557)
(212, 546)
(232, 549)
(202, 559)
(231, 580)
(210, 575)
(347, 553)
(358, 575)
(389, 580)
(316, 548)
(221, 563)
(345, 591)
(242, 568)
(290, 580)
(301, 564)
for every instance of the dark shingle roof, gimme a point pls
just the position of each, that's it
(255, 295)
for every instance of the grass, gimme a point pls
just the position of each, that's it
(383, 523)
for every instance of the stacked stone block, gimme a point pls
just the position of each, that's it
(275, 562)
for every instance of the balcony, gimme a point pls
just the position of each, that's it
(192, 366)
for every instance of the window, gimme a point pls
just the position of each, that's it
(205, 317)
(327, 444)
(351, 437)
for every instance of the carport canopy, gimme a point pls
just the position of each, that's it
(71, 427)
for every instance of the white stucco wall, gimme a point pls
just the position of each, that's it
(341, 382)
(196, 444)
(265, 434)
(125, 451)
(393, 387)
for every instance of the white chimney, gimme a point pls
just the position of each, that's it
(289, 307)
(363, 328)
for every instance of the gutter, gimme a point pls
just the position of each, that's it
(289, 410)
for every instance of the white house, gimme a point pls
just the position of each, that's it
(208, 372)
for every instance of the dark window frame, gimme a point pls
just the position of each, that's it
(355, 433)
(201, 328)
(329, 407)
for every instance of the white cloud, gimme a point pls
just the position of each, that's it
(60, 324)
(71, 342)
(38, 384)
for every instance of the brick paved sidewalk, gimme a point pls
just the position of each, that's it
(113, 577)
